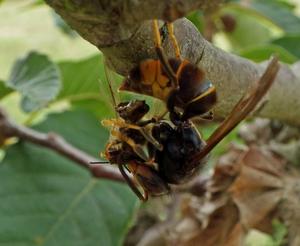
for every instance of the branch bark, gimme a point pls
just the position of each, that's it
(56, 143)
(104, 23)
(121, 30)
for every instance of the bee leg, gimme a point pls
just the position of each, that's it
(170, 27)
(175, 117)
(208, 116)
(146, 131)
(111, 122)
(156, 34)
(137, 148)
(132, 185)
(161, 55)
(146, 122)
(152, 164)
(152, 154)
(162, 115)
(145, 197)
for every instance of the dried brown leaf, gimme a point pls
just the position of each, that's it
(264, 160)
(251, 179)
(255, 206)
(222, 222)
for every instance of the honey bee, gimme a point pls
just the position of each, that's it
(159, 152)
(132, 146)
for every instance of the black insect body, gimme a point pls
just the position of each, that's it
(180, 143)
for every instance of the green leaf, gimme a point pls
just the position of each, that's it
(279, 232)
(278, 13)
(38, 2)
(48, 200)
(4, 90)
(251, 28)
(258, 22)
(37, 79)
(264, 52)
(197, 18)
(35, 3)
(99, 108)
(85, 85)
(81, 78)
(290, 43)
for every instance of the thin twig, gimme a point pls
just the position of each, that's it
(57, 143)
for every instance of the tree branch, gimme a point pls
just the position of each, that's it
(104, 23)
(121, 31)
(56, 143)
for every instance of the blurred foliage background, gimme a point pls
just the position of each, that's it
(49, 77)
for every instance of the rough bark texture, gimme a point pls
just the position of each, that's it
(105, 22)
(121, 31)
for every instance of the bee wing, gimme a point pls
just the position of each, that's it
(131, 184)
(246, 104)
